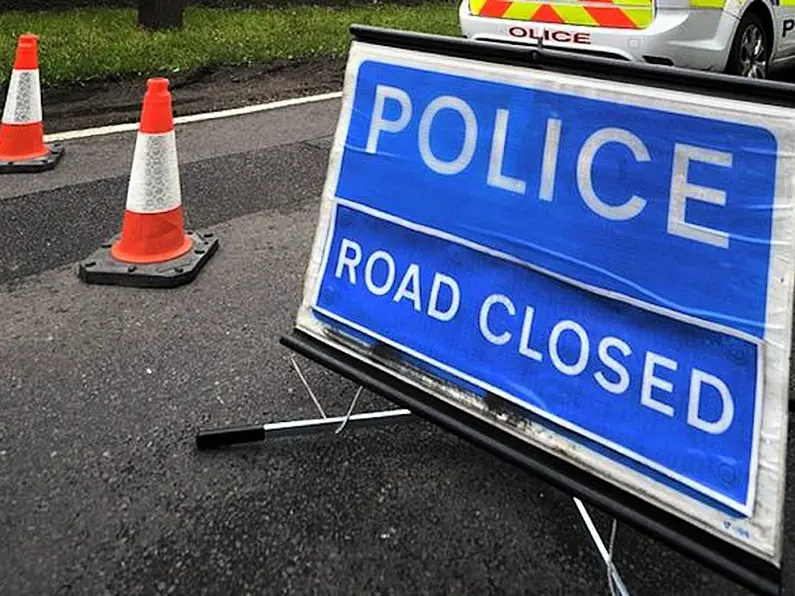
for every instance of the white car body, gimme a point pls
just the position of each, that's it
(697, 34)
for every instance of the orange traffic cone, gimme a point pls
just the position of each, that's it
(153, 248)
(22, 147)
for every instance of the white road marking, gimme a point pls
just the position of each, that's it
(131, 126)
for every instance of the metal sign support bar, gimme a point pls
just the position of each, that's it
(234, 435)
(219, 437)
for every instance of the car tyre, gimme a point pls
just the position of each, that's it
(751, 48)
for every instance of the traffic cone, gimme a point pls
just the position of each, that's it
(22, 147)
(153, 249)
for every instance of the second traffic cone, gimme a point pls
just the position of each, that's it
(152, 229)
(153, 249)
(22, 147)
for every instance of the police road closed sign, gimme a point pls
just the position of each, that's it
(615, 260)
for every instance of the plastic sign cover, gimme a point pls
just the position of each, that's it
(616, 260)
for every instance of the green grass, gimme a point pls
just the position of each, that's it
(80, 45)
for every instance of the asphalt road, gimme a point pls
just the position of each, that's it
(102, 389)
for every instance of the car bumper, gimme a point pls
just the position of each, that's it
(687, 38)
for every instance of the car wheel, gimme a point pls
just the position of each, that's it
(751, 49)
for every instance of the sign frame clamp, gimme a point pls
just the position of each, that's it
(217, 438)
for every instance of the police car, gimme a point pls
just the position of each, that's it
(749, 38)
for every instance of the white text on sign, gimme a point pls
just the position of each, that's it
(442, 300)
(681, 190)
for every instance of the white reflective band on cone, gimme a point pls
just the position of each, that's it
(154, 178)
(23, 103)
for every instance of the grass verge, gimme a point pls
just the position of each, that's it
(80, 45)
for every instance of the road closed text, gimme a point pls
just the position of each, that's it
(566, 345)
(633, 379)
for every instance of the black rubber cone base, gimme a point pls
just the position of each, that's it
(102, 268)
(32, 166)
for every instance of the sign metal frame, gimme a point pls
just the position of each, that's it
(336, 355)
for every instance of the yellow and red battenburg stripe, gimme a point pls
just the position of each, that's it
(625, 14)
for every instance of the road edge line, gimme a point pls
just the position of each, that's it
(190, 118)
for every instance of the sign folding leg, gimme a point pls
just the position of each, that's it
(234, 435)
(614, 581)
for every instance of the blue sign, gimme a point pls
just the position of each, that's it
(602, 264)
